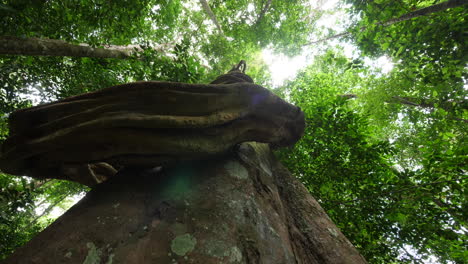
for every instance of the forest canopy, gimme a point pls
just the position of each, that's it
(384, 91)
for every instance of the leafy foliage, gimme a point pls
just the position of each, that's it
(384, 153)
(285, 25)
(21, 212)
(95, 22)
(421, 106)
(343, 168)
(380, 204)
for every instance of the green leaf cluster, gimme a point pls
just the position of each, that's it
(25, 207)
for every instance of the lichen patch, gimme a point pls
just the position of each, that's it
(235, 255)
(333, 232)
(236, 170)
(94, 254)
(183, 244)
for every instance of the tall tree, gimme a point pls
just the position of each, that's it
(384, 197)
(200, 135)
(28, 80)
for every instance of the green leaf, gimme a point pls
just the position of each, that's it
(385, 45)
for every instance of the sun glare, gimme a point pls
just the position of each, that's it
(283, 68)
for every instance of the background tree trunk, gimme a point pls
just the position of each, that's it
(241, 208)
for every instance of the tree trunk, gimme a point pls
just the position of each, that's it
(244, 207)
(52, 47)
(420, 12)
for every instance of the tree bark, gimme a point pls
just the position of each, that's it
(420, 12)
(206, 7)
(244, 207)
(51, 47)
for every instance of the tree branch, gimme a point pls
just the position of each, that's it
(263, 12)
(52, 47)
(48, 209)
(445, 207)
(420, 12)
(391, 192)
(348, 96)
(209, 12)
(422, 103)
(447, 105)
(417, 260)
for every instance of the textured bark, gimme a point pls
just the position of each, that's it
(244, 207)
(145, 124)
(216, 200)
(420, 12)
(52, 47)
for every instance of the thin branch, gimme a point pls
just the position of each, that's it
(417, 260)
(420, 12)
(459, 119)
(348, 96)
(422, 103)
(263, 12)
(447, 105)
(404, 101)
(387, 193)
(48, 209)
(445, 207)
(206, 7)
(343, 34)
(43, 183)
